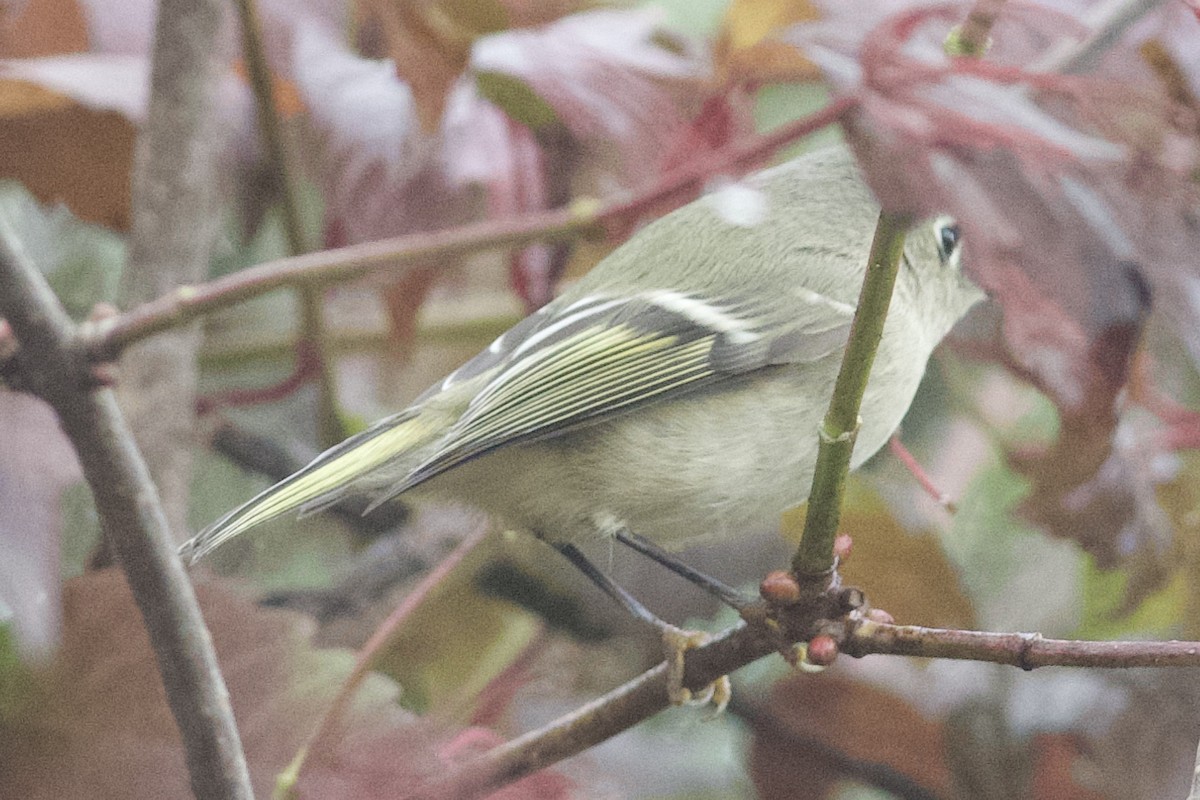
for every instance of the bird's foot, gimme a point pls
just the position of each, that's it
(676, 642)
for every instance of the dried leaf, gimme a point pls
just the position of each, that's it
(97, 724)
(41, 28)
(748, 49)
(817, 730)
(66, 152)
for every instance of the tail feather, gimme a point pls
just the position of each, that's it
(323, 481)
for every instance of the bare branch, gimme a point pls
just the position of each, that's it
(1025, 650)
(172, 229)
(646, 695)
(601, 719)
(135, 527)
(312, 322)
(105, 339)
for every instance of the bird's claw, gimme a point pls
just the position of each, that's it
(676, 642)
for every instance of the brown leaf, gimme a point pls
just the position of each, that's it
(96, 723)
(42, 28)
(748, 50)
(430, 43)
(65, 152)
(817, 730)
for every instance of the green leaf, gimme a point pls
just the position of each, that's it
(515, 98)
(1104, 595)
(82, 262)
(1017, 577)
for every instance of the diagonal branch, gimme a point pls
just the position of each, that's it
(134, 525)
(104, 340)
(313, 340)
(646, 695)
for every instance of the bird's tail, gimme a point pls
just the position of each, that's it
(384, 446)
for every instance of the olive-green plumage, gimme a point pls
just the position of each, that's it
(676, 389)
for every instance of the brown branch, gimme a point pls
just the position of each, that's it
(601, 719)
(105, 339)
(1025, 650)
(332, 720)
(645, 695)
(172, 229)
(311, 298)
(133, 522)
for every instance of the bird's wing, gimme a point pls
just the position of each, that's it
(325, 479)
(601, 356)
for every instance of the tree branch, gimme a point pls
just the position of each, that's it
(1024, 650)
(132, 519)
(173, 226)
(311, 298)
(601, 719)
(105, 339)
(646, 695)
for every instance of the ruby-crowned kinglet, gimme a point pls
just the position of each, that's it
(675, 391)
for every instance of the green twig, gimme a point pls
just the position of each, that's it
(973, 37)
(840, 427)
(312, 320)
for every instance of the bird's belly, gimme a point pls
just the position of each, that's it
(721, 464)
(717, 465)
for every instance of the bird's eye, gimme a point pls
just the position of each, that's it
(948, 236)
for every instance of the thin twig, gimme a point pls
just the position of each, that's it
(311, 298)
(1108, 22)
(134, 525)
(328, 726)
(1024, 650)
(645, 695)
(839, 429)
(601, 719)
(105, 339)
(973, 37)
(269, 127)
(918, 472)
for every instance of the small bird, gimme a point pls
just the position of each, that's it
(676, 390)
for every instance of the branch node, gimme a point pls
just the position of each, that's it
(1028, 642)
(842, 437)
